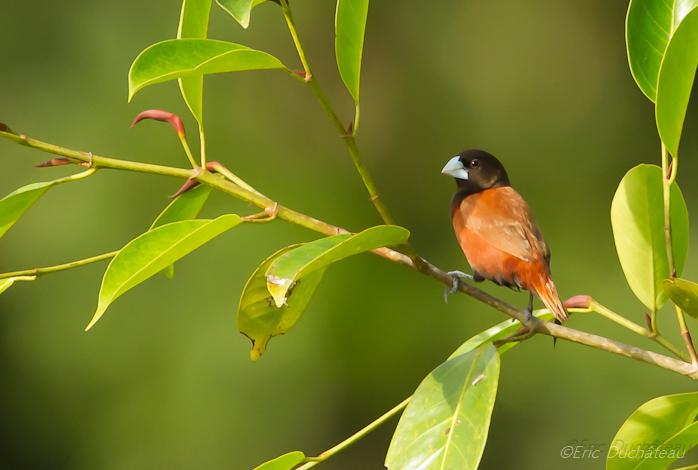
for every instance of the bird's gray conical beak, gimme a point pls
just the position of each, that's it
(455, 168)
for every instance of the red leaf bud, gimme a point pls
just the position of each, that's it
(186, 187)
(54, 162)
(164, 116)
(578, 301)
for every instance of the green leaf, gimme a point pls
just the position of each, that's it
(168, 271)
(259, 319)
(676, 81)
(193, 23)
(193, 20)
(7, 282)
(240, 9)
(350, 27)
(684, 294)
(15, 204)
(151, 252)
(637, 218)
(648, 28)
(285, 462)
(181, 58)
(496, 333)
(184, 207)
(295, 264)
(446, 423)
(662, 424)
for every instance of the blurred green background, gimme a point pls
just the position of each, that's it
(165, 381)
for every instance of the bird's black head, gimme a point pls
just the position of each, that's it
(475, 171)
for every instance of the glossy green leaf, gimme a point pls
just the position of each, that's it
(662, 424)
(676, 81)
(184, 207)
(446, 423)
(496, 333)
(15, 204)
(295, 264)
(648, 28)
(168, 271)
(350, 27)
(240, 9)
(637, 218)
(151, 252)
(181, 58)
(285, 462)
(684, 294)
(258, 317)
(7, 282)
(193, 23)
(193, 20)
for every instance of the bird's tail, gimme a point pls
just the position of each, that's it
(547, 292)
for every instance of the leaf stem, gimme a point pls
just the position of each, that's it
(312, 461)
(187, 150)
(296, 40)
(202, 141)
(77, 176)
(686, 335)
(233, 177)
(668, 177)
(38, 272)
(634, 327)
(423, 267)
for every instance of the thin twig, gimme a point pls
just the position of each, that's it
(686, 335)
(312, 461)
(38, 272)
(594, 306)
(669, 170)
(668, 175)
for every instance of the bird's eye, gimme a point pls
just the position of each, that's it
(475, 163)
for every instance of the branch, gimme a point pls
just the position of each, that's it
(38, 272)
(423, 267)
(594, 306)
(312, 461)
(668, 177)
(669, 170)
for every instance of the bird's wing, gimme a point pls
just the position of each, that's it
(502, 218)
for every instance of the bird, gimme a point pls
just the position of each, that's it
(497, 232)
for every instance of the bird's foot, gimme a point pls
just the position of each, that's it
(529, 309)
(457, 276)
(529, 315)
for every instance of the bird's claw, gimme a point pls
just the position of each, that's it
(529, 309)
(457, 276)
